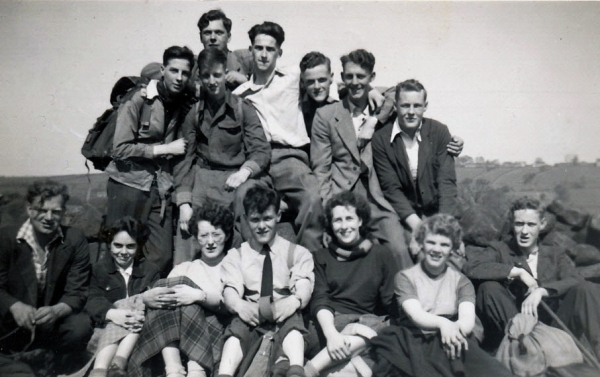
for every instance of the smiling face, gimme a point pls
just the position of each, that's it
(45, 217)
(265, 53)
(215, 35)
(176, 75)
(213, 81)
(123, 249)
(211, 241)
(345, 224)
(527, 225)
(263, 225)
(436, 249)
(411, 107)
(316, 81)
(357, 80)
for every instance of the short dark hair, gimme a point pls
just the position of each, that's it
(45, 190)
(441, 224)
(313, 59)
(136, 230)
(214, 213)
(268, 28)
(208, 57)
(178, 52)
(410, 85)
(349, 199)
(214, 15)
(526, 202)
(360, 57)
(259, 199)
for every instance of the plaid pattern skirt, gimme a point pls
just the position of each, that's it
(199, 333)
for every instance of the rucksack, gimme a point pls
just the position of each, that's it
(530, 347)
(98, 144)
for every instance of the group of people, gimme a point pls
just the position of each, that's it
(206, 155)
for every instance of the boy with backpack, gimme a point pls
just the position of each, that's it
(267, 281)
(227, 150)
(145, 146)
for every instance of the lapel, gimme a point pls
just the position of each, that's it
(396, 152)
(424, 148)
(520, 259)
(24, 265)
(545, 265)
(57, 259)
(345, 129)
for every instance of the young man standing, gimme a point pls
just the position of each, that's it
(145, 148)
(274, 92)
(415, 170)
(267, 281)
(517, 275)
(44, 280)
(343, 160)
(227, 150)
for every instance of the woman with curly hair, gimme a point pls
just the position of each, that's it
(186, 315)
(114, 298)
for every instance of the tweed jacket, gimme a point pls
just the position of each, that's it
(335, 157)
(67, 279)
(556, 272)
(435, 189)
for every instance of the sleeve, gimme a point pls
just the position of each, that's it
(258, 149)
(568, 276)
(386, 290)
(388, 109)
(303, 267)
(78, 276)
(179, 270)
(388, 179)
(232, 271)
(487, 264)
(128, 123)
(6, 299)
(404, 288)
(320, 298)
(465, 291)
(321, 154)
(97, 304)
(183, 171)
(446, 177)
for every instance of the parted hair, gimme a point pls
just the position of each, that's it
(208, 57)
(349, 199)
(526, 202)
(313, 59)
(440, 224)
(178, 52)
(214, 15)
(410, 85)
(360, 57)
(267, 28)
(47, 189)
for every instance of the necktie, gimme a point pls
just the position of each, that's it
(266, 286)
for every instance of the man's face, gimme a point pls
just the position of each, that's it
(215, 36)
(357, 80)
(176, 75)
(265, 53)
(45, 217)
(411, 107)
(263, 225)
(213, 81)
(527, 225)
(316, 81)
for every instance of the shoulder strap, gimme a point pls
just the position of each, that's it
(290, 255)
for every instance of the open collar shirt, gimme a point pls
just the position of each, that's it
(411, 145)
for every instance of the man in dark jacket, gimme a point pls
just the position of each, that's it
(415, 171)
(516, 276)
(44, 278)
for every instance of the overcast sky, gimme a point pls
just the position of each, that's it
(516, 80)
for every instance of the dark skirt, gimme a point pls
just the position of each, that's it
(198, 332)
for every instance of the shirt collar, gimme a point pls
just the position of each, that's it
(152, 89)
(26, 234)
(352, 106)
(396, 130)
(127, 270)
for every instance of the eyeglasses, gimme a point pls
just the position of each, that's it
(56, 213)
(216, 236)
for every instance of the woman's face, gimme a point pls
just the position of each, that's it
(123, 249)
(436, 249)
(345, 224)
(211, 240)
